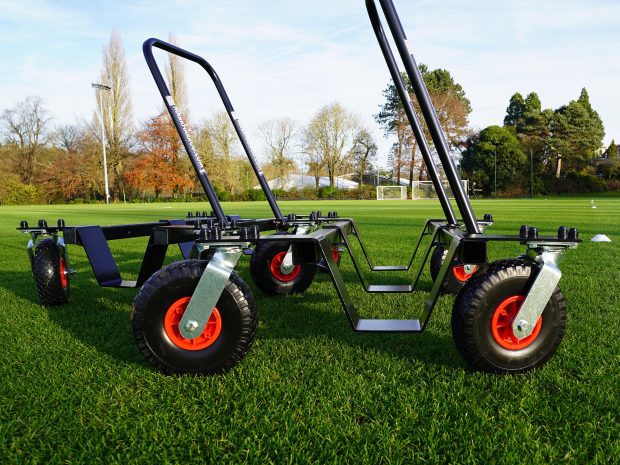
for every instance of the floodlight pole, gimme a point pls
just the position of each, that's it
(495, 176)
(101, 87)
(531, 174)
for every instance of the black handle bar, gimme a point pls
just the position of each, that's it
(428, 112)
(147, 49)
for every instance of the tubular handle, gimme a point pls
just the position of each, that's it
(147, 49)
(428, 110)
(411, 114)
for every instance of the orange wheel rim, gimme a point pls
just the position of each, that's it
(64, 282)
(462, 273)
(209, 335)
(501, 324)
(276, 268)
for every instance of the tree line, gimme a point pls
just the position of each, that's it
(540, 150)
(44, 162)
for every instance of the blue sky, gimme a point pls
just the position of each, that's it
(287, 58)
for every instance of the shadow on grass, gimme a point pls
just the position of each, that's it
(99, 317)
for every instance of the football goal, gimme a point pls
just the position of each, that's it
(391, 192)
(425, 189)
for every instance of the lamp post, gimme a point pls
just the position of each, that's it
(495, 176)
(102, 87)
(531, 174)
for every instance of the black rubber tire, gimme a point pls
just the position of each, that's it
(47, 275)
(451, 285)
(265, 280)
(236, 306)
(474, 308)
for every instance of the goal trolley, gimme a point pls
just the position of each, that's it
(198, 315)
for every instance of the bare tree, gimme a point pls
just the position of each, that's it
(25, 126)
(117, 113)
(68, 137)
(328, 139)
(175, 74)
(363, 152)
(218, 148)
(279, 135)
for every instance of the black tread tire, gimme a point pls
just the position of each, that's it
(473, 310)
(451, 284)
(263, 278)
(236, 306)
(46, 272)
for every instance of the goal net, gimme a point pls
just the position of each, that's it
(391, 192)
(426, 190)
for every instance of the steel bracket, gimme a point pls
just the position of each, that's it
(209, 288)
(541, 291)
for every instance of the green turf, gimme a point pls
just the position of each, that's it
(74, 388)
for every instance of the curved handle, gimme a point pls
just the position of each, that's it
(147, 49)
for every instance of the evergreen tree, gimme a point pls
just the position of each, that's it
(612, 151)
(577, 133)
(453, 109)
(479, 159)
(515, 111)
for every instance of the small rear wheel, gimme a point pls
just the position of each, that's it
(483, 314)
(51, 273)
(159, 307)
(458, 274)
(271, 277)
(336, 255)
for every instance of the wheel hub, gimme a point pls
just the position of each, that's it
(64, 281)
(464, 272)
(501, 324)
(172, 320)
(282, 272)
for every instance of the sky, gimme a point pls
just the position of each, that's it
(289, 57)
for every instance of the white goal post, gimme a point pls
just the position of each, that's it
(425, 189)
(391, 192)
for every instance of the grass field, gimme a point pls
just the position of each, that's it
(74, 388)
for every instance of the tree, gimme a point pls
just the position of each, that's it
(393, 119)
(117, 113)
(328, 139)
(479, 159)
(279, 135)
(157, 168)
(25, 127)
(612, 150)
(364, 151)
(452, 107)
(67, 137)
(515, 111)
(532, 126)
(175, 75)
(218, 146)
(577, 133)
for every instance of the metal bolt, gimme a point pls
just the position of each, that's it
(191, 326)
(469, 269)
(522, 325)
